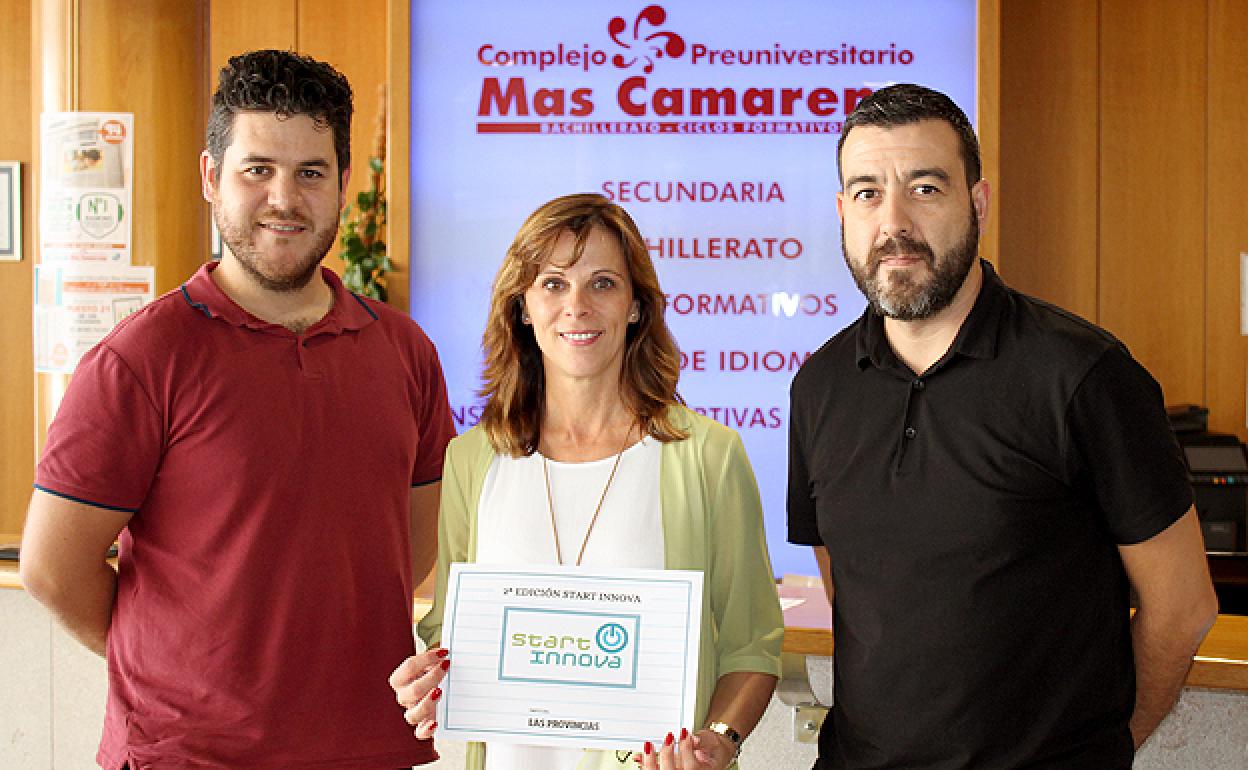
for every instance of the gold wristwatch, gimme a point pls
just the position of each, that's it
(729, 733)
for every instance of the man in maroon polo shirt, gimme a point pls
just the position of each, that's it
(267, 447)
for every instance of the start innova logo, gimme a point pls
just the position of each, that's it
(665, 82)
(569, 647)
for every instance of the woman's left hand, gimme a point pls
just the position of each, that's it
(415, 684)
(703, 750)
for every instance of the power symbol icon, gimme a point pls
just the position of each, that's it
(611, 637)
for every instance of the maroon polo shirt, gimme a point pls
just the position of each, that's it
(264, 587)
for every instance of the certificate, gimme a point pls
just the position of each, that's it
(568, 656)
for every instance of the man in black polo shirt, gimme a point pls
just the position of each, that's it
(983, 476)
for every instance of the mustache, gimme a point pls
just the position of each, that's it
(897, 245)
(288, 215)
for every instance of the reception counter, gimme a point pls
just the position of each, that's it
(1221, 663)
(52, 708)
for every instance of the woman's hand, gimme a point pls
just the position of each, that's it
(703, 750)
(415, 684)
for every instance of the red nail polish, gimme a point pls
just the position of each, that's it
(669, 740)
(442, 653)
(684, 733)
(433, 725)
(649, 748)
(437, 693)
(445, 664)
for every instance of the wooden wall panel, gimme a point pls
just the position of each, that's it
(236, 26)
(146, 57)
(355, 44)
(398, 169)
(1151, 286)
(988, 118)
(17, 423)
(54, 75)
(1047, 189)
(1227, 214)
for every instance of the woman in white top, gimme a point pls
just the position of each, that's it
(585, 455)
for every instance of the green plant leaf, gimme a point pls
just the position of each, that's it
(376, 165)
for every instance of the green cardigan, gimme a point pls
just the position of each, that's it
(712, 522)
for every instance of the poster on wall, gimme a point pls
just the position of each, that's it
(714, 124)
(78, 303)
(86, 191)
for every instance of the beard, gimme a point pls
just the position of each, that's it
(238, 238)
(904, 296)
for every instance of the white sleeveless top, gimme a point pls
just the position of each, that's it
(513, 527)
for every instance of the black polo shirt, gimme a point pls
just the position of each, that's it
(972, 516)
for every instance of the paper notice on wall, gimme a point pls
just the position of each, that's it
(1243, 292)
(78, 303)
(86, 197)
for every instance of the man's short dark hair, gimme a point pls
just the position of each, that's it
(285, 83)
(906, 103)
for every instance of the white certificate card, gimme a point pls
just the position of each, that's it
(569, 656)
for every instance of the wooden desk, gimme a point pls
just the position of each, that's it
(808, 626)
(1221, 663)
(8, 569)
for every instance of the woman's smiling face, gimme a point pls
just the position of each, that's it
(580, 313)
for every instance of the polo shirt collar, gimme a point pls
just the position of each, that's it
(976, 339)
(204, 295)
(978, 336)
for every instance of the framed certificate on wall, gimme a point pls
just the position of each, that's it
(10, 211)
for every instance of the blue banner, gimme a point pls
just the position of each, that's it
(714, 124)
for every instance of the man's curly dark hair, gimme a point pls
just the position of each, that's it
(285, 83)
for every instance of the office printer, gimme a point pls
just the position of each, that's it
(1217, 466)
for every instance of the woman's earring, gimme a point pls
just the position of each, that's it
(524, 318)
(634, 316)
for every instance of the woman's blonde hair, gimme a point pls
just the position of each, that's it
(515, 381)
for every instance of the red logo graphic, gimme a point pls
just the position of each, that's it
(644, 46)
(113, 131)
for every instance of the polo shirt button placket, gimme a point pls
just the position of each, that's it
(918, 385)
(307, 364)
(906, 447)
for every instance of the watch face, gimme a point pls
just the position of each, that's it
(729, 733)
